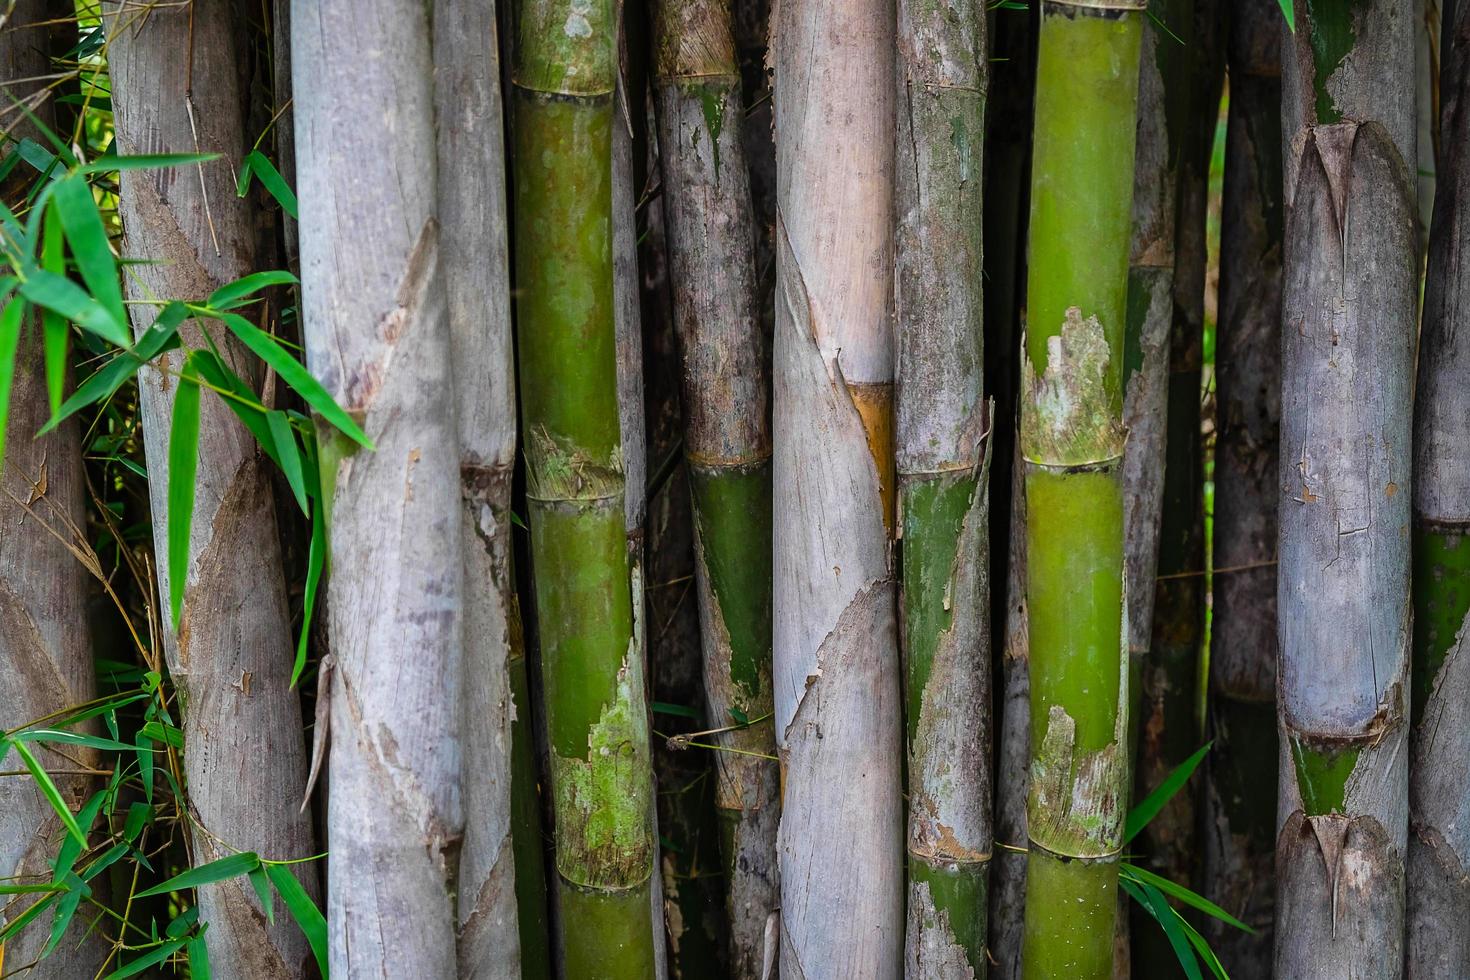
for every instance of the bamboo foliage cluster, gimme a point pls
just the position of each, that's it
(479, 502)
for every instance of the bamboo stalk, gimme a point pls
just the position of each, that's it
(1438, 894)
(601, 780)
(836, 679)
(944, 495)
(727, 439)
(1239, 823)
(493, 888)
(245, 758)
(1072, 440)
(1349, 305)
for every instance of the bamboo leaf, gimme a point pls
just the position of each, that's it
(48, 790)
(258, 165)
(315, 560)
(30, 889)
(1150, 806)
(18, 923)
(71, 848)
(225, 868)
(161, 336)
(142, 963)
(10, 321)
(159, 732)
(61, 295)
(261, 883)
(294, 374)
(1205, 952)
(308, 917)
(242, 400)
(233, 294)
(183, 462)
(107, 860)
(74, 204)
(144, 161)
(68, 738)
(199, 956)
(1289, 10)
(1164, 914)
(66, 909)
(54, 331)
(145, 765)
(288, 454)
(1144, 876)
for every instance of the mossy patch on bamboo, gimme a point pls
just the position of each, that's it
(603, 836)
(1322, 774)
(1069, 411)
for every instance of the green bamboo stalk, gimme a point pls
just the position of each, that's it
(727, 440)
(1072, 440)
(563, 76)
(944, 500)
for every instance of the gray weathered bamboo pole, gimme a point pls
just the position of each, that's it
(838, 717)
(378, 337)
(1239, 806)
(1348, 312)
(1439, 774)
(45, 643)
(476, 271)
(176, 87)
(943, 493)
(727, 438)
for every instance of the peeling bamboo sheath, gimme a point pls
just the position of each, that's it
(1439, 782)
(940, 445)
(1349, 305)
(1072, 443)
(727, 441)
(1239, 819)
(836, 684)
(601, 776)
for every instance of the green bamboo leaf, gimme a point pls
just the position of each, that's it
(315, 560)
(144, 161)
(1288, 8)
(18, 923)
(261, 883)
(61, 295)
(259, 166)
(68, 738)
(71, 848)
(241, 400)
(139, 816)
(142, 963)
(1144, 876)
(224, 869)
(74, 204)
(294, 374)
(48, 790)
(288, 454)
(308, 917)
(1164, 914)
(162, 336)
(54, 331)
(145, 765)
(1205, 952)
(30, 889)
(1150, 806)
(109, 857)
(66, 909)
(183, 462)
(199, 956)
(10, 322)
(160, 732)
(233, 294)
(676, 710)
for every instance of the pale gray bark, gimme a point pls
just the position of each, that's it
(1238, 825)
(726, 394)
(1012, 754)
(1439, 775)
(45, 643)
(1427, 56)
(473, 227)
(1349, 304)
(835, 649)
(378, 337)
(177, 88)
(940, 451)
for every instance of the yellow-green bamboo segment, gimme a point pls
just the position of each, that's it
(1072, 440)
(563, 77)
